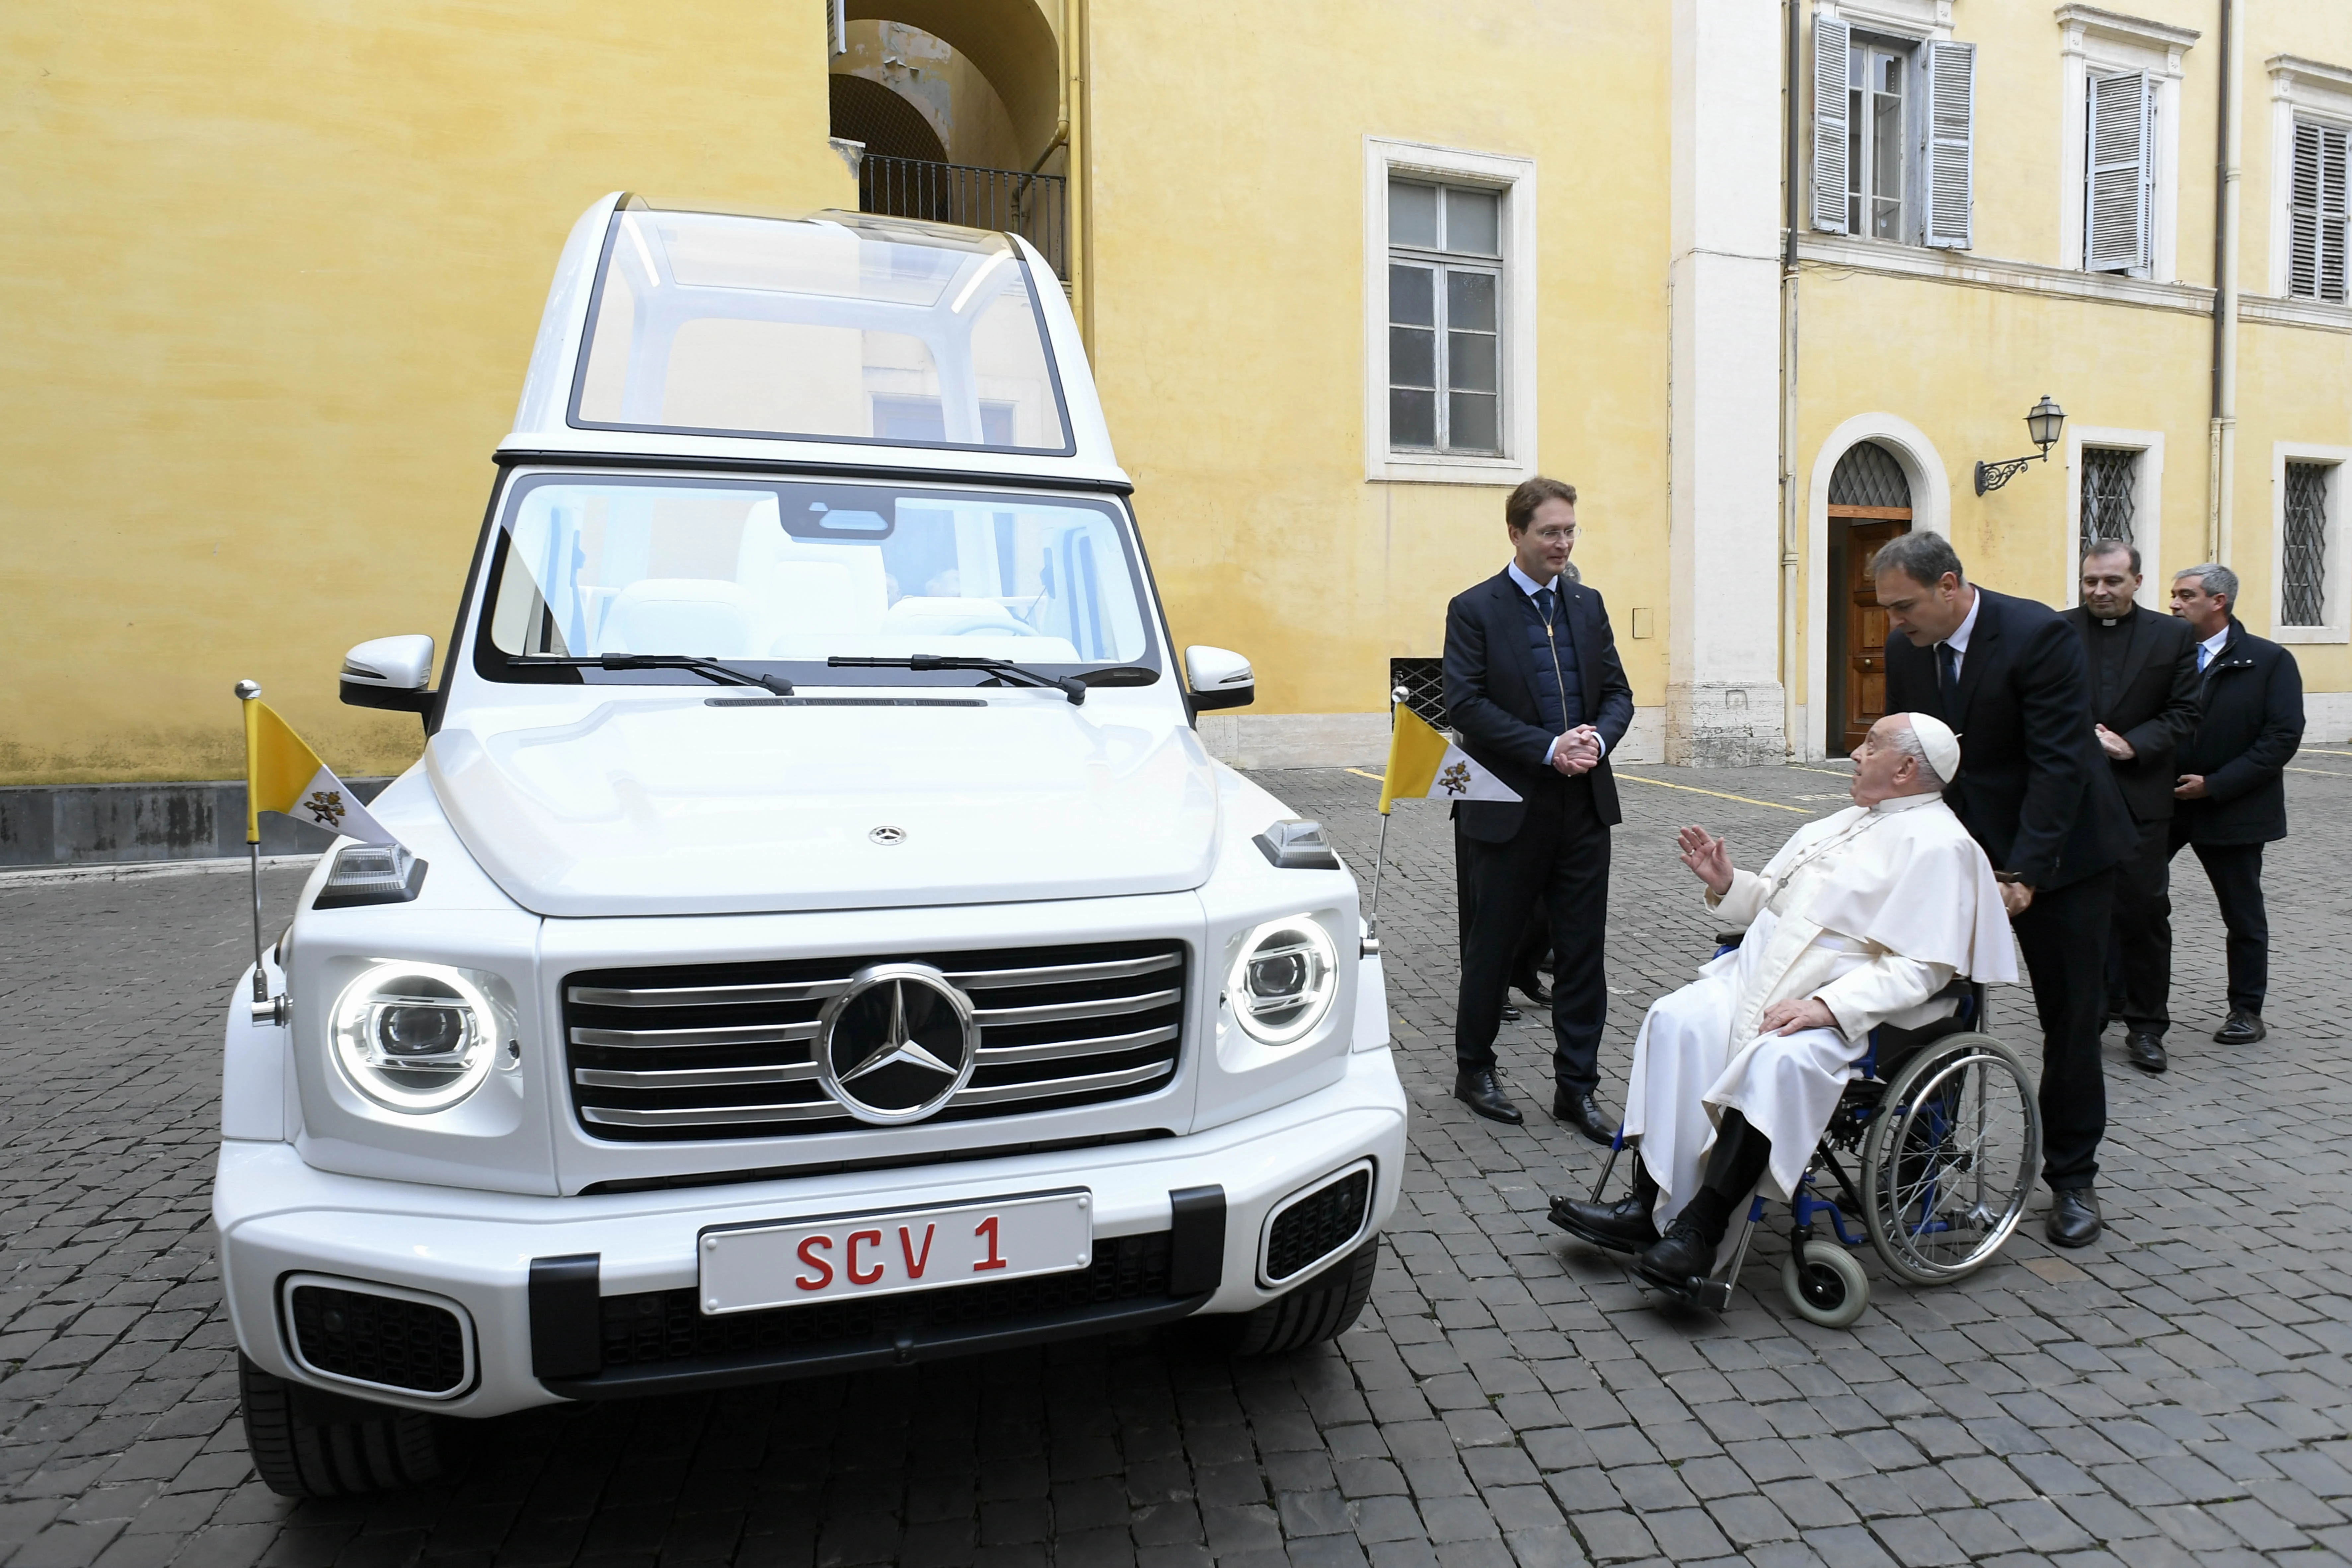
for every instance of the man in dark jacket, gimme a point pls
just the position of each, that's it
(2143, 672)
(2035, 789)
(1533, 685)
(2232, 790)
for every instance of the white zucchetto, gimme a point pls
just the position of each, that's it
(1943, 747)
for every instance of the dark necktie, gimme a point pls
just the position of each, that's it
(1544, 603)
(1948, 677)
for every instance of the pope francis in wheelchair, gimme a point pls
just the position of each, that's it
(1837, 1020)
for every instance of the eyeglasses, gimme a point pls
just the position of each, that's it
(1557, 535)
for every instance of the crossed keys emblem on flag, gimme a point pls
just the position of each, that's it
(325, 807)
(1455, 780)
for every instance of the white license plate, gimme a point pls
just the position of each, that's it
(747, 1268)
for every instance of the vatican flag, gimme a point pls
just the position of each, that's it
(1423, 762)
(285, 776)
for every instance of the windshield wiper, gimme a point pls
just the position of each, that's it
(1004, 669)
(709, 669)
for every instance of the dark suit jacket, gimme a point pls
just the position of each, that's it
(2155, 706)
(2034, 788)
(1490, 696)
(2253, 723)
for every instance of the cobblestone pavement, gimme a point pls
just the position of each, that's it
(2175, 1394)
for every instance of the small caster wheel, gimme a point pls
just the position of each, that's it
(1828, 1287)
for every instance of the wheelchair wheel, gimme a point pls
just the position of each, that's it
(1827, 1286)
(1950, 1158)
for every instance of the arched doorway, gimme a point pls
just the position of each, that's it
(885, 125)
(1870, 503)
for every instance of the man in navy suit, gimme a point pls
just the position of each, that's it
(2037, 792)
(1535, 688)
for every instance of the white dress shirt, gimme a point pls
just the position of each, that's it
(1959, 638)
(1530, 587)
(2211, 649)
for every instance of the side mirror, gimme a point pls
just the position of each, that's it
(1219, 678)
(390, 672)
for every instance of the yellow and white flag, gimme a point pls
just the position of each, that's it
(1423, 762)
(283, 774)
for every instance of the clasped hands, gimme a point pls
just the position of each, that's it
(1710, 861)
(1578, 752)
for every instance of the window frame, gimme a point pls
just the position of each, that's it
(2147, 506)
(2095, 42)
(2336, 582)
(1514, 180)
(1910, 213)
(1441, 263)
(2309, 90)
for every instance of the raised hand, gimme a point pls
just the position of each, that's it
(1709, 861)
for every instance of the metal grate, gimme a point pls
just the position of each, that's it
(2108, 473)
(655, 1327)
(1034, 206)
(1424, 681)
(2303, 556)
(379, 1339)
(1868, 474)
(1318, 1225)
(728, 1050)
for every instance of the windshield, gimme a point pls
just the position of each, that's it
(789, 574)
(837, 329)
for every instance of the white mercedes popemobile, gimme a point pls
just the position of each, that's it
(818, 938)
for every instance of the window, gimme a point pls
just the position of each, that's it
(1445, 285)
(1892, 136)
(2107, 511)
(2119, 141)
(2303, 547)
(2119, 174)
(2114, 494)
(1449, 314)
(2316, 213)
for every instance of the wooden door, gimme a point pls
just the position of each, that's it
(1866, 623)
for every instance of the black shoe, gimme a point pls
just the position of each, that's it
(2242, 1029)
(1681, 1263)
(1583, 1112)
(1528, 985)
(1624, 1225)
(1510, 1014)
(2144, 1050)
(2073, 1218)
(1476, 1087)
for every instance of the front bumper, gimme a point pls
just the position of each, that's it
(494, 1254)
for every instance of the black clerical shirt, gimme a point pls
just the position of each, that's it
(2110, 643)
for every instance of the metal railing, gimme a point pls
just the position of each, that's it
(1034, 206)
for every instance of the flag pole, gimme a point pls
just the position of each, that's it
(248, 692)
(1381, 855)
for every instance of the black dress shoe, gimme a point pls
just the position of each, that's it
(1583, 1112)
(1624, 1225)
(2073, 1218)
(2145, 1049)
(1510, 1014)
(1533, 989)
(1681, 1262)
(1476, 1087)
(2242, 1029)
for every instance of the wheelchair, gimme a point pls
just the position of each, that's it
(1945, 1131)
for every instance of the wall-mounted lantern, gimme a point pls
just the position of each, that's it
(2043, 422)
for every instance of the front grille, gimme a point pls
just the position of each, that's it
(655, 1327)
(709, 1051)
(379, 1339)
(1318, 1225)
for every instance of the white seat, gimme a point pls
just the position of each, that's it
(700, 615)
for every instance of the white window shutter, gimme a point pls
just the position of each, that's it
(2115, 225)
(2315, 214)
(1832, 44)
(836, 27)
(2335, 155)
(1951, 135)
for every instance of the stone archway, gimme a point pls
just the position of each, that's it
(1012, 43)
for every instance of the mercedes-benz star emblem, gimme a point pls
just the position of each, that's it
(888, 836)
(897, 1044)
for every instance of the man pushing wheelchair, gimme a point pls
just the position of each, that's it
(1864, 920)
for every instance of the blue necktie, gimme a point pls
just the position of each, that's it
(1544, 605)
(1948, 674)
(2204, 657)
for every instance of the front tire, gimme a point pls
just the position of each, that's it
(1323, 1309)
(308, 1443)
(1826, 1286)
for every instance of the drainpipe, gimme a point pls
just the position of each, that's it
(2222, 456)
(1797, 746)
(1081, 187)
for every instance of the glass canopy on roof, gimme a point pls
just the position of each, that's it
(827, 329)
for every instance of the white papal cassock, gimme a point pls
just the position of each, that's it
(1872, 911)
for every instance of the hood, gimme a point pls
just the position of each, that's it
(681, 807)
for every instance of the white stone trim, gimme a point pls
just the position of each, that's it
(2096, 40)
(1901, 18)
(1969, 270)
(1516, 177)
(2300, 89)
(2336, 591)
(1931, 512)
(2326, 718)
(2322, 314)
(2147, 510)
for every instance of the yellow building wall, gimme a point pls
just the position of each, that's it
(1228, 249)
(272, 279)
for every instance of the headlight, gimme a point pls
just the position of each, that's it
(415, 1037)
(1283, 983)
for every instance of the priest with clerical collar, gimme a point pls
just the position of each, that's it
(1859, 921)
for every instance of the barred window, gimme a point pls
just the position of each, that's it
(2303, 554)
(2108, 473)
